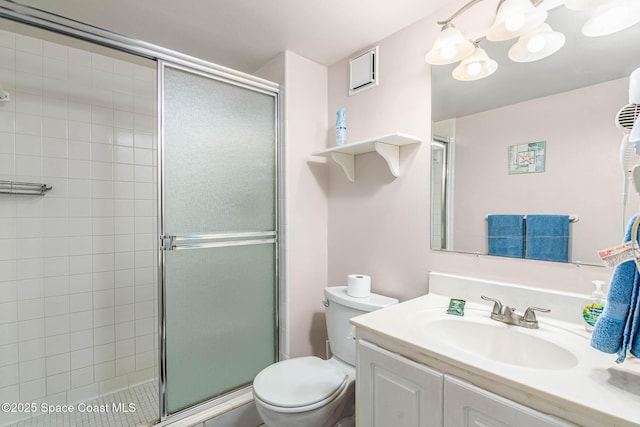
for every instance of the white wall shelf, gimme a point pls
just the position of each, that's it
(387, 146)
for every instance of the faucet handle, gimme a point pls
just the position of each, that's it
(530, 316)
(497, 305)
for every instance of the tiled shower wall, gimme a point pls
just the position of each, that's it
(78, 266)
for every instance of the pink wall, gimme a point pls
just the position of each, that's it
(304, 196)
(379, 225)
(582, 139)
(306, 102)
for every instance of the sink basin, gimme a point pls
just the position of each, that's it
(500, 342)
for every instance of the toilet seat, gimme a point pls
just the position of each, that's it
(299, 384)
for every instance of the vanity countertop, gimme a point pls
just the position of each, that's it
(594, 392)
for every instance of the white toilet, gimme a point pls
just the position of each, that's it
(312, 392)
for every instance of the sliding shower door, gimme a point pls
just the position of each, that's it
(218, 234)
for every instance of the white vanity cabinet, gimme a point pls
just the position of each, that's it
(491, 374)
(394, 391)
(466, 405)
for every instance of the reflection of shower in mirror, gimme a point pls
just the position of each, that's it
(437, 155)
(439, 193)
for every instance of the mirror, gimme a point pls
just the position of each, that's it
(569, 101)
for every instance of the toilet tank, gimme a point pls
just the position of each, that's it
(342, 307)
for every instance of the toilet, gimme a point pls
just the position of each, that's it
(312, 392)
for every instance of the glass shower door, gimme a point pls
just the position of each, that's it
(218, 227)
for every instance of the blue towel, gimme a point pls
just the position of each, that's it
(616, 330)
(634, 332)
(634, 342)
(547, 237)
(506, 235)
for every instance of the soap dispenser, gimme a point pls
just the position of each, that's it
(341, 128)
(593, 306)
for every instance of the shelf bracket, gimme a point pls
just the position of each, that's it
(387, 147)
(391, 153)
(347, 161)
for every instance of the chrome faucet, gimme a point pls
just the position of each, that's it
(508, 314)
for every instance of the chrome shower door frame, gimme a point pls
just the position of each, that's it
(202, 241)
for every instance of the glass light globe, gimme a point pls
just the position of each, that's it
(474, 68)
(514, 22)
(608, 21)
(448, 51)
(536, 43)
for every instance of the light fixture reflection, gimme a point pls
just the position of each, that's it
(537, 44)
(449, 47)
(612, 17)
(515, 22)
(585, 4)
(476, 66)
(514, 18)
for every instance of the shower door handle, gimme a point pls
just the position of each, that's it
(203, 241)
(166, 243)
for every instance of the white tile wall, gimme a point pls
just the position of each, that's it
(78, 266)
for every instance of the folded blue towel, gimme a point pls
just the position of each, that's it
(617, 327)
(547, 237)
(634, 333)
(506, 235)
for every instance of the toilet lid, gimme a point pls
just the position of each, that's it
(297, 382)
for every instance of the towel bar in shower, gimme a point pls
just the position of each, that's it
(23, 188)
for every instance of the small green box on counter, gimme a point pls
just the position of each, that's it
(456, 306)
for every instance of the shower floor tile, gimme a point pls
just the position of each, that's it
(144, 397)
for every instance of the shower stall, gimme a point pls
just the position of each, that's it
(138, 227)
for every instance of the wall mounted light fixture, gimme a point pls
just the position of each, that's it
(537, 44)
(526, 20)
(515, 18)
(476, 66)
(449, 47)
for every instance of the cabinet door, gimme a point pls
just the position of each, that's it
(394, 391)
(467, 405)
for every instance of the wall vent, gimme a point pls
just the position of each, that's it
(363, 71)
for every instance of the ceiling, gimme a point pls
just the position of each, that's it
(245, 34)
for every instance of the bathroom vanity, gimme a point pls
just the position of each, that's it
(419, 366)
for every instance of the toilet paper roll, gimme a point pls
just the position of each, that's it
(358, 285)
